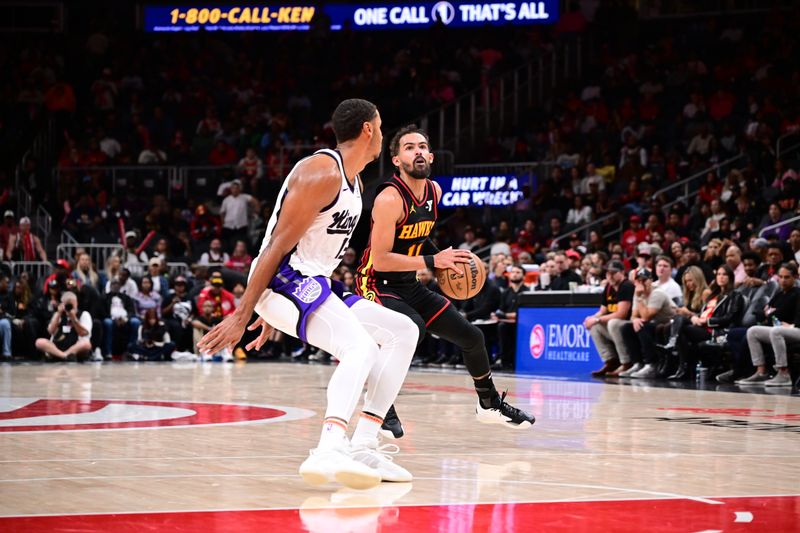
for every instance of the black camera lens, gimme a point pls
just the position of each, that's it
(68, 306)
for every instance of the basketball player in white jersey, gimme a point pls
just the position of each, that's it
(315, 216)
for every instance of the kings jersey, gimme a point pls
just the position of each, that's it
(410, 234)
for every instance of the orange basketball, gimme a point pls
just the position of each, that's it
(463, 286)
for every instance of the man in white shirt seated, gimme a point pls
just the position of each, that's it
(664, 280)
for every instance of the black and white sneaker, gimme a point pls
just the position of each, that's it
(505, 414)
(391, 427)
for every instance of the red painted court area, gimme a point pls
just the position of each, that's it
(767, 513)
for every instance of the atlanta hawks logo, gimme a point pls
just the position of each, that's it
(34, 414)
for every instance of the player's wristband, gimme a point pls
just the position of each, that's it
(429, 248)
(429, 264)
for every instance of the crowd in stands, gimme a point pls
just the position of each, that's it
(647, 115)
(129, 309)
(254, 103)
(655, 108)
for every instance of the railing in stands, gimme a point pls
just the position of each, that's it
(686, 188)
(24, 202)
(688, 184)
(143, 179)
(487, 110)
(67, 238)
(780, 145)
(177, 269)
(766, 230)
(205, 180)
(98, 252)
(43, 221)
(598, 223)
(38, 270)
(41, 148)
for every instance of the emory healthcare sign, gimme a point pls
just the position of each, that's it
(553, 341)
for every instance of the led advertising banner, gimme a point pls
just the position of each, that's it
(451, 14)
(188, 18)
(468, 191)
(553, 341)
(377, 16)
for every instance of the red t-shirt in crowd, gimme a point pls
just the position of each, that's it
(223, 302)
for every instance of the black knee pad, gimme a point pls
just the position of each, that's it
(473, 336)
(421, 327)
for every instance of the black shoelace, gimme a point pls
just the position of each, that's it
(509, 410)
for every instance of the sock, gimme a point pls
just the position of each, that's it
(334, 432)
(486, 391)
(366, 429)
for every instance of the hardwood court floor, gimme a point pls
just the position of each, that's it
(213, 447)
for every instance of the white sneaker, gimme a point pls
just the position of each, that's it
(335, 464)
(632, 370)
(646, 372)
(380, 458)
(781, 379)
(96, 355)
(183, 356)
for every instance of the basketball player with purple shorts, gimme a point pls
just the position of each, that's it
(290, 288)
(403, 217)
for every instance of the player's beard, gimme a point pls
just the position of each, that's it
(419, 173)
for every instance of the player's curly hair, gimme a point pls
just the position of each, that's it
(349, 117)
(394, 145)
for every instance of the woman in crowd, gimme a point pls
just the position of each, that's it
(86, 274)
(676, 252)
(147, 299)
(113, 266)
(239, 260)
(153, 342)
(721, 309)
(695, 290)
(596, 242)
(25, 325)
(713, 256)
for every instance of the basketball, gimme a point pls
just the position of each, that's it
(463, 286)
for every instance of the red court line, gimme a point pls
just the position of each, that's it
(766, 513)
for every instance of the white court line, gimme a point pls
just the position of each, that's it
(745, 517)
(583, 486)
(516, 454)
(438, 504)
(446, 479)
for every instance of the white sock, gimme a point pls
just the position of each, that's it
(334, 433)
(366, 429)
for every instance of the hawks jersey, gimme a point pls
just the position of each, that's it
(321, 248)
(419, 217)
